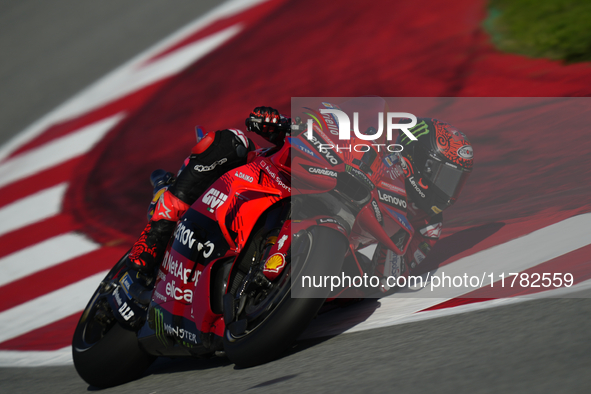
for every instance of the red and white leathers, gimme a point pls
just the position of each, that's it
(427, 232)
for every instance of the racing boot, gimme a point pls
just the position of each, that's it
(148, 250)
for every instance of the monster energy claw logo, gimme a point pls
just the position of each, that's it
(159, 326)
(419, 130)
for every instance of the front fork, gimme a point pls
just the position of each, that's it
(275, 260)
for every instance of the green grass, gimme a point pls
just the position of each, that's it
(554, 29)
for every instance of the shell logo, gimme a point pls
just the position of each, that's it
(275, 262)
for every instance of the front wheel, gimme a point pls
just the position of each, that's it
(105, 353)
(270, 320)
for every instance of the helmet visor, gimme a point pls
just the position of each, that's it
(446, 178)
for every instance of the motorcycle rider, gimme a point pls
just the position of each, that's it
(435, 168)
(215, 154)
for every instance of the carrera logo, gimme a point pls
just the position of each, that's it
(320, 171)
(376, 211)
(214, 198)
(392, 199)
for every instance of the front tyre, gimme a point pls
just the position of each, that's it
(269, 333)
(106, 354)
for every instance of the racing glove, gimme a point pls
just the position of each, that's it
(266, 122)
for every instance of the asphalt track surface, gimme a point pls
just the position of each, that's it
(533, 347)
(52, 50)
(536, 346)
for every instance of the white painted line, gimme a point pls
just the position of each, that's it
(129, 80)
(73, 106)
(56, 151)
(41, 205)
(391, 312)
(513, 256)
(43, 255)
(48, 308)
(562, 292)
(14, 358)
(64, 356)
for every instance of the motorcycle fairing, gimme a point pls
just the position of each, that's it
(261, 186)
(214, 228)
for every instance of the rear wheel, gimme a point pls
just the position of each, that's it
(267, 319)
(105, 353)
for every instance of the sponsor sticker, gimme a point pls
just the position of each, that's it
(269, 170)
(281, 242)
(393, 188)
(275, 262)
(214, 198)
(321, 147)
(419, 256)
(301, 146)
(241, 175)
(466, 152)
(320, 171)
(126, 282)
(360, 175)
(392, 199)
(390, 160)
(417, 188)
(376, 211)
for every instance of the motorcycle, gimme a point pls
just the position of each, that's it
(227, 284)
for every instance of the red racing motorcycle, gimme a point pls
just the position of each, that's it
(232, 279)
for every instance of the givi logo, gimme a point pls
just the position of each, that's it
(214, 198)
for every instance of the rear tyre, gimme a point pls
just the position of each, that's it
(105, 353)
(269, 333)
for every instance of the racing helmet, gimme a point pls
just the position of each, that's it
(436, 165)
